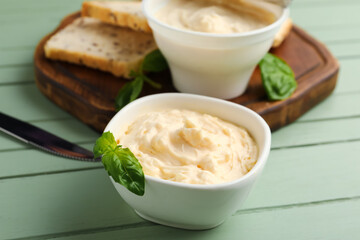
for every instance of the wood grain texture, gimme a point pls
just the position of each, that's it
(89, 94)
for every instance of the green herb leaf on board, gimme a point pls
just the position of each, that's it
(153, 62)
(129, 92)
(277, 77)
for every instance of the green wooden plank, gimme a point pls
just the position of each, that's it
(70, 129)
(17, 74)
(322, 2)
(60, 203)
(311, 3)
(348, 82)
(322, 15)
(308, 174)
(75, 201)
(344, 34)
(17, 19)
(27, 103)
(35, 162)
(14, 33)
(346, 50)
(334, 107)
(307, 133)
(42, 8)
(330, 221)
(27, 11)
(19, 56)
(37, 4)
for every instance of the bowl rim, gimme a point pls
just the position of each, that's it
(261, 161)
(279, 21)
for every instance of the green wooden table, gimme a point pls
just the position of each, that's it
(310, 188)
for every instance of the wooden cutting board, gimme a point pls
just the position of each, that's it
(89, 94)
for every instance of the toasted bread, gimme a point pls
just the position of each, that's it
(120, 13)
(95, 44)
(282, 33)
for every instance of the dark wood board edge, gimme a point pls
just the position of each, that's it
(95, 118)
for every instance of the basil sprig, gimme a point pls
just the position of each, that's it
(277, 77)
(120, 163)
(153, 62)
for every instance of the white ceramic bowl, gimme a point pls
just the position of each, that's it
(186, 205)
(217, 65)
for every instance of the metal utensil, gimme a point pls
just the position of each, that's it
(44, 140)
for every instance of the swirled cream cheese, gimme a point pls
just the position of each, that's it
(190, 147)
(213, 17)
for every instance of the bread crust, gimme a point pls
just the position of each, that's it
(116, 50)
(282, 33)
(119, 69)
(106, 14)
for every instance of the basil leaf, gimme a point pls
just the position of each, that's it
(154, 62)
(277, 77)
(134, 74)
(137, 86)
(121, 164)
(124, 168)
(151, 82)
(104, 144)
(129, 92)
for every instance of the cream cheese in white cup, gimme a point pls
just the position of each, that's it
(185, 205)
(213, 64)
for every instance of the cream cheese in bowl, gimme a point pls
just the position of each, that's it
(190, 147)
(207, 202)
(213, 46)
(205, 16)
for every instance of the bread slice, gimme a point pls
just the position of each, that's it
(282, 33)
(120, 13)
(95, 44)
